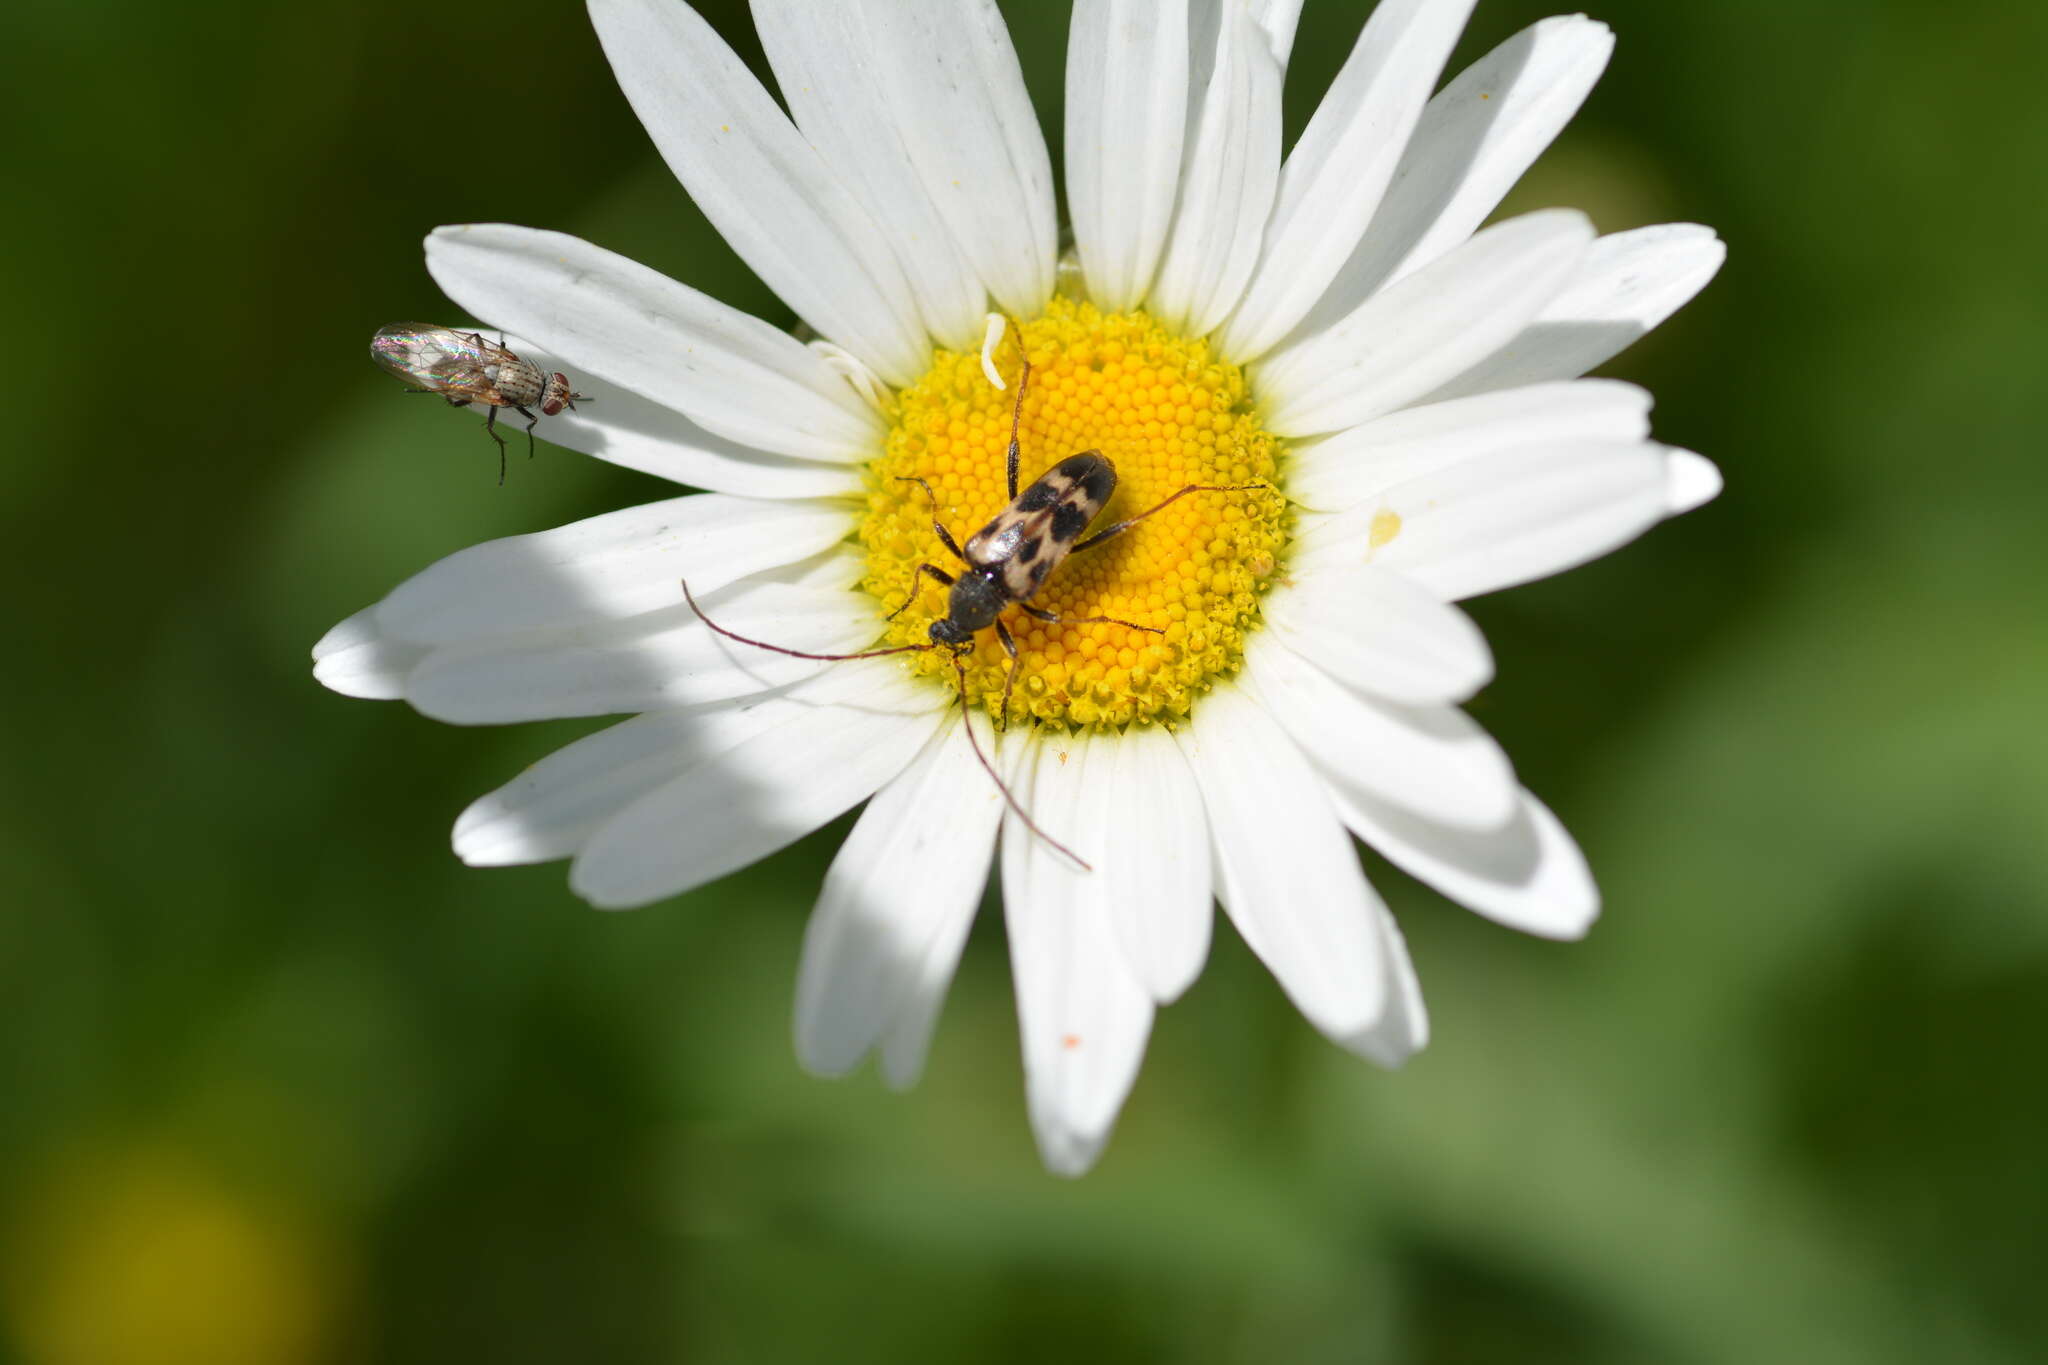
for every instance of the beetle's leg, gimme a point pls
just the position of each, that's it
(945, 536)
(1010, 679)
(1042, 614)
(532, 420)
(1017, 412)
(1128, 522)
(491, 430)
(930, 571)
(453, 401)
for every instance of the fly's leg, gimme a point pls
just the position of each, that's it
(945, 536)
(532, 420)
(1042, 614)
(1009, 679)
(1128, 522)
(491, 430)
(929, 571)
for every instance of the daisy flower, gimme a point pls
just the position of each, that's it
(1334, 324)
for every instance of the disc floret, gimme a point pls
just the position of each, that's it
(1168, 413)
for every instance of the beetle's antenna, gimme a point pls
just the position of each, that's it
(960, 670)
(793, 653)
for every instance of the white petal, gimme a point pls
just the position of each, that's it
(1500, 520)
(351, 632)
(1628, 283)
(1127, 93)
(1082, 1014)
(356, 661)
(1527, 875)
(619, 426)
(608, 567)
(552, 808)
(767, 191)
(1285, 869)
(1276, 20)
(1403, 1030)
(658, 661)
(1229, 171)
(824, 62)
(1475, 139)
(908, 1040)
(1334, 178)
(1432, 761)
(960, 105)
(1378, 632)
(1342, 470)
(1690, 481)
(769, 790)
(1137, 820)
(902, 890)
(1402, 343)
(608, 318)
(1152, 880)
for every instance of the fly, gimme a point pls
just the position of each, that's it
(465, 368)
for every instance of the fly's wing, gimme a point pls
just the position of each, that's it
(441, 359)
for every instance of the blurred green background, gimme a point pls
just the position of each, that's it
(282, 1082)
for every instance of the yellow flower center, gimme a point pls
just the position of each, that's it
(1167, 413)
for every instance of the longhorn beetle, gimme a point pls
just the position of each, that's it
(1007, 561)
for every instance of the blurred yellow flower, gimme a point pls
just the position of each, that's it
(144, 1257)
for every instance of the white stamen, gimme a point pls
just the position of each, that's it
(989, 342)
(864, 380)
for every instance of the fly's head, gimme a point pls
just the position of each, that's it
(557, 394)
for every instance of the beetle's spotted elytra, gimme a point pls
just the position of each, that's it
(1004, 565)
(465, 368)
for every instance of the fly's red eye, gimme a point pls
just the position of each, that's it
(557, 395)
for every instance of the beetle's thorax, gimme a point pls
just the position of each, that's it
(976, 599)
